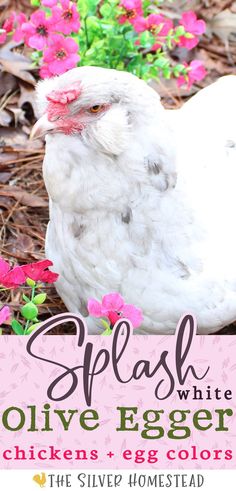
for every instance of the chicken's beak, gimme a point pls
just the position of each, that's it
(41, 128)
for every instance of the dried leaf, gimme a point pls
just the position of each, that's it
(24, 197)
(211, 64)
(21, 245)
(6, 203)
(8, 83)
(4, 177)
(19, 115)
(15, 63)
(16, 139)
(27, 97)
(20, 218)
(5, 118)
(223, 25)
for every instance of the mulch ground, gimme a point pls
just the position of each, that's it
(23, 198)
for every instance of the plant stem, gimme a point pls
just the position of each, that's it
(27, 325)
(33, 292)
(86, 32)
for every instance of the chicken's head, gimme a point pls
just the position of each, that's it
(96, 104)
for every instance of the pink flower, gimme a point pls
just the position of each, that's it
(10, 278)
(193, 26)
(14, 24)
(66, 19)
(18, 34)
(5, 314)
(44, 72)
(132, 10)
(114, 308)
(61, 54)
(140, 24)
(3, 37)
(38, 271)
(196, 72)
(164, 28)
(9, 23)
(157, 24)
(7, 27)
(38, 30)
(49, 3)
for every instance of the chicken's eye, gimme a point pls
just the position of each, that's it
(96, 109)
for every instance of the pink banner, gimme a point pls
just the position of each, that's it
(125, 408)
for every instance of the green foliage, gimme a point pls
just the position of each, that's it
(105, 42)
(29, 310)
(39, 299)
(17, 327)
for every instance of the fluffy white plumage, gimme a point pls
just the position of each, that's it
(142, 200)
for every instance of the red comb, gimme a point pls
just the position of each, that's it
(65, 96)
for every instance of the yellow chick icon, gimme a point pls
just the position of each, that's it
(40, 480)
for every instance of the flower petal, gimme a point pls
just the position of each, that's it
(94, 308)
(71, 45)
(13, 278)
(49, 3)
(5, 314)
(4, 267)
(112, 302)
(44, 72)
(133, 314)
(38, 17)
(49, 277)
(37, 42)
(36, 271)
(3, 37)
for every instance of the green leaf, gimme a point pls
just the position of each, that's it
(166, 72)
(169, 44)
(17, 327)
(36, 55)
(105, 324)
(161, 62)
(149, 57)
(106, 10)
(177, 69)
(39, 299)
(25, 298)
(107, 332)
(180, 31)
(120, 66)
(0, 331)
(146, 39)
(32, 328)
(29, 311)
(188, 35)
(129, 35)
(93, 27)
(87, 7)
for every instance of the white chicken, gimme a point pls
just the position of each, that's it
(142, 200)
